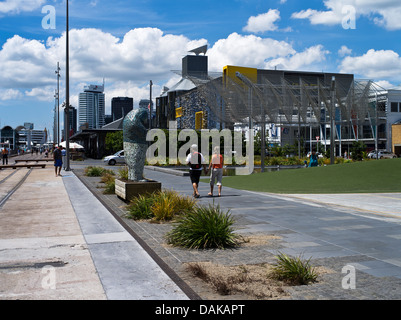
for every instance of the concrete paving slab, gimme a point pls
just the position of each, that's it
(124, 267)
(43, 254)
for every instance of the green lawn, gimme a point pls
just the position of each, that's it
(361, 177)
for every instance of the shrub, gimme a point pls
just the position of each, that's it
(123, 173)
(107, 177)
(293, 270)
(163, 205)
(110, 187)
(94, 171)
(203, 228)
(140, 207)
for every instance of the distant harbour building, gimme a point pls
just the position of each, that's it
(92, 107)
(305, 109)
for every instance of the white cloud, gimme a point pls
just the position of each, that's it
(344, 51)
(128, 63)
(374, 64)
(25, 64)
(263, 22)
(10, 94)
(17, 6)
(385, 84)
(308, 58)
(385, 13)
(250, 50)
(141, 55)
(319, 17)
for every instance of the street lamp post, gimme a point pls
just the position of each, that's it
(150, 105)
(67, 95)
(58, 102)
(332, 124)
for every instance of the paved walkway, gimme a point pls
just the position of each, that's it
(348, 234)
(58, 241)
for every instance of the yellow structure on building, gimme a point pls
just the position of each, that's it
(250, 73)
(199, 120)
(396, 138)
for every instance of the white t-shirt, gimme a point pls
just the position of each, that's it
(193, 158)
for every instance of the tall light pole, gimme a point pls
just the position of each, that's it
(67, 95)
(58, 103)
(150, 105)
(332, 124)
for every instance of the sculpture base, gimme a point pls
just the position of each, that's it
(127, 190)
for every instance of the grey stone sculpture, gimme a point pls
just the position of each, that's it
(135, 145)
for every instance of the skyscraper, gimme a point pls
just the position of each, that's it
(120, 107)
(92, 107)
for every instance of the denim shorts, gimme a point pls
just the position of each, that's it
(58, 163)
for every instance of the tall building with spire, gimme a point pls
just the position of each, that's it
(92, 107)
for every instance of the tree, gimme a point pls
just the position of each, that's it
(357, 150)
(114, 141)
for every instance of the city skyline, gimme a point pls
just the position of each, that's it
(128, 44)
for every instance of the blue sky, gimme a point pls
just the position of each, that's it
(130, 43)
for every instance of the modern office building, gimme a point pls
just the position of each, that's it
(120, 107)
(92, 107)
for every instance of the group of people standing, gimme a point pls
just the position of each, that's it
(197, 163)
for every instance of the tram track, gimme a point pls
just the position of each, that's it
(11, 183)
(7, 177)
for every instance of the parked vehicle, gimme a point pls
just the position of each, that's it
(115, 158)
(386, 155)
(382, 155)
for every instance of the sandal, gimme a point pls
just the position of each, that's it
(210, 194)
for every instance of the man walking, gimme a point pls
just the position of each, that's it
(196, 161)
(4, 153)
(58, 161)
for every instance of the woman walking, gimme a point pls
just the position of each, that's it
(216, 167)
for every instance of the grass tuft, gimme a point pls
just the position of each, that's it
(295, 271)
(204, 228)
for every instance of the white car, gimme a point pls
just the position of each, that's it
(386, 155)
(115, 158)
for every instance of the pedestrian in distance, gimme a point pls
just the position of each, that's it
(4, 154)
(313, 160)
(58, 161)
(216, 171)
(196, 161)
(63, 154)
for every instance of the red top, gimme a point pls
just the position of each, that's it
(216, 164)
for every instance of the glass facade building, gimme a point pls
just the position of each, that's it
(92, 107)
